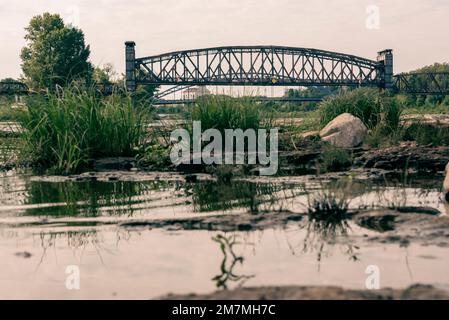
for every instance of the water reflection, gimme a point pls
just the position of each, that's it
(323, 235)
(229, 262)
(88, 198)
(79, 242)
(254, 197)
(326, 234)
(92, 198)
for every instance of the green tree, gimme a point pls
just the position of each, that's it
(104, 75)
(55, 54)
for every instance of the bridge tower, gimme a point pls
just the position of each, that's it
(386, 58)
(130, 56)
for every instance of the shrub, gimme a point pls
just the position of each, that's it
(64, 131)
(365, 103)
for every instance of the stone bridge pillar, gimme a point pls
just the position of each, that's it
(130, 54)
(386, 57)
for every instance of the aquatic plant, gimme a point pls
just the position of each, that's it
(328, 215)
(328, 206)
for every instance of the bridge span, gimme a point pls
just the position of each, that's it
(258, 66)
(275, 66)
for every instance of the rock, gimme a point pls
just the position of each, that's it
(406, 155)
(446, 184)
(345, 131)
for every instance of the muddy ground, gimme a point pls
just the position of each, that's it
(415, 292)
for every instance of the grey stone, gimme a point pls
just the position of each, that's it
(345, 131)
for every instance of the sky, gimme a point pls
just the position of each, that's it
(417, 30)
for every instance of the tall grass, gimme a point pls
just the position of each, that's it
(365, 103)
(65, 130)
(222, 112)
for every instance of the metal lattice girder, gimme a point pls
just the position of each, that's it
(258, 65)
(169, 91)
(13, 87)
(426, 83)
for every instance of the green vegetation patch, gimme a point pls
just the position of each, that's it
(65, 130)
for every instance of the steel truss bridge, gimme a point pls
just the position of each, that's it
(258, 66)
(275, 66)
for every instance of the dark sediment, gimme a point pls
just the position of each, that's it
(414, 292)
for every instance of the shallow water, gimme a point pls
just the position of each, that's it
(46, 226)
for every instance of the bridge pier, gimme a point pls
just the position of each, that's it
(386, 57)
(130, 56)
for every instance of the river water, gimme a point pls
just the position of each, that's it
(48, 226)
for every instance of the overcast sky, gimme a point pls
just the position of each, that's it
(417, 30)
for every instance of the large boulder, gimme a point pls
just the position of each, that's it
(446, 185)
(345, 131)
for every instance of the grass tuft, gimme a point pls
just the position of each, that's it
(65, 130)
(367, 104)
(222, 112)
